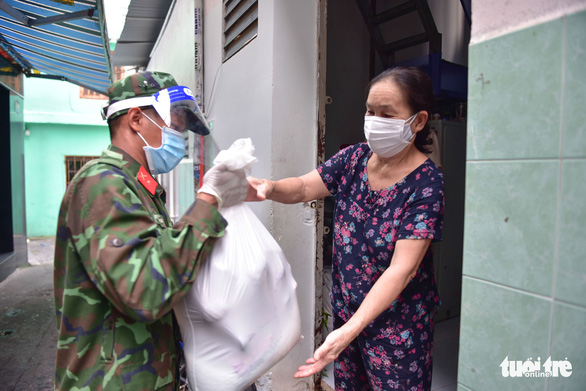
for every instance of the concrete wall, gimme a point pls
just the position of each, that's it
(268, 92)
(174, 51)
(500, 17)
(450, 21)
(524, 291)
(46, 146)
(58, 123)
(294, 152)
(17, 164)
(238, 94)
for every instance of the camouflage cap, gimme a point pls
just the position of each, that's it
(144, 83)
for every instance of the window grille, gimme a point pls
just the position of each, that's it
(14, 83)
(240, 25)
(85, 93)
(73, 164)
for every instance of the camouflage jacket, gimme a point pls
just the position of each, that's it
(120, 267)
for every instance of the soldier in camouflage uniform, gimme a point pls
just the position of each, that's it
(120, 264)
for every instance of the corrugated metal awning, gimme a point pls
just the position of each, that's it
(63, 39)
(144, 21)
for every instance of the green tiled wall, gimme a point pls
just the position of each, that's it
(508, 323)
(524, 284)
(510, 240)
(514, 95)
(574, 87)
(571, 266)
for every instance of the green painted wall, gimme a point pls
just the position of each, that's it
(58, 123)
(524, 274)
(45, 148)
(17, 164)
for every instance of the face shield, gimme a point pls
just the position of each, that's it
(178, 100)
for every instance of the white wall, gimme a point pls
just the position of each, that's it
(268, 92)
(294, 152)
(451, 22)
(174, 51)
(493, 18)
(238, 93)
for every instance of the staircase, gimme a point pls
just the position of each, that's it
(386, 48)
(376, 17)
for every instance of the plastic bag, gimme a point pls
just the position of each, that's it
(241, 316)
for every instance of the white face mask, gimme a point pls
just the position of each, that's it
(387, 136)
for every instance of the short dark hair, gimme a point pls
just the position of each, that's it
(114, 123)
(417, 89)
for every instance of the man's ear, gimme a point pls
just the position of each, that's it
(135, 118)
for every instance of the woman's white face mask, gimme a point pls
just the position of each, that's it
(387, 136)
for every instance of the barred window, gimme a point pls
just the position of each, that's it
(240, 25)
(73, 164)
(86, 93)
(13, 82)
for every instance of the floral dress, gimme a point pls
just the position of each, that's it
(395, 350)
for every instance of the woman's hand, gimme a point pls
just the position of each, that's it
(289, 190)
(258, 189)
(334, 344)
(406, 259)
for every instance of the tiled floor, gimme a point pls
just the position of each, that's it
(445, 358)
(445, 355)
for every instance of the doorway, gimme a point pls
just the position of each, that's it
(13, 249)
(351, 62)
(6, 231)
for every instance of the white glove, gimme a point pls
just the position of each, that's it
(229, 187)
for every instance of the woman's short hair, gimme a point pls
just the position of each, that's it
(417, 89)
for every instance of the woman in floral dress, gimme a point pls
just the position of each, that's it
(389, 207)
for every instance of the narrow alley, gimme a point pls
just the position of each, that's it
(28, 335)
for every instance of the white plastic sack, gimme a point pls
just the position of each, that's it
(241, 316)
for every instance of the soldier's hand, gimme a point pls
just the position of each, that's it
(229, 187)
